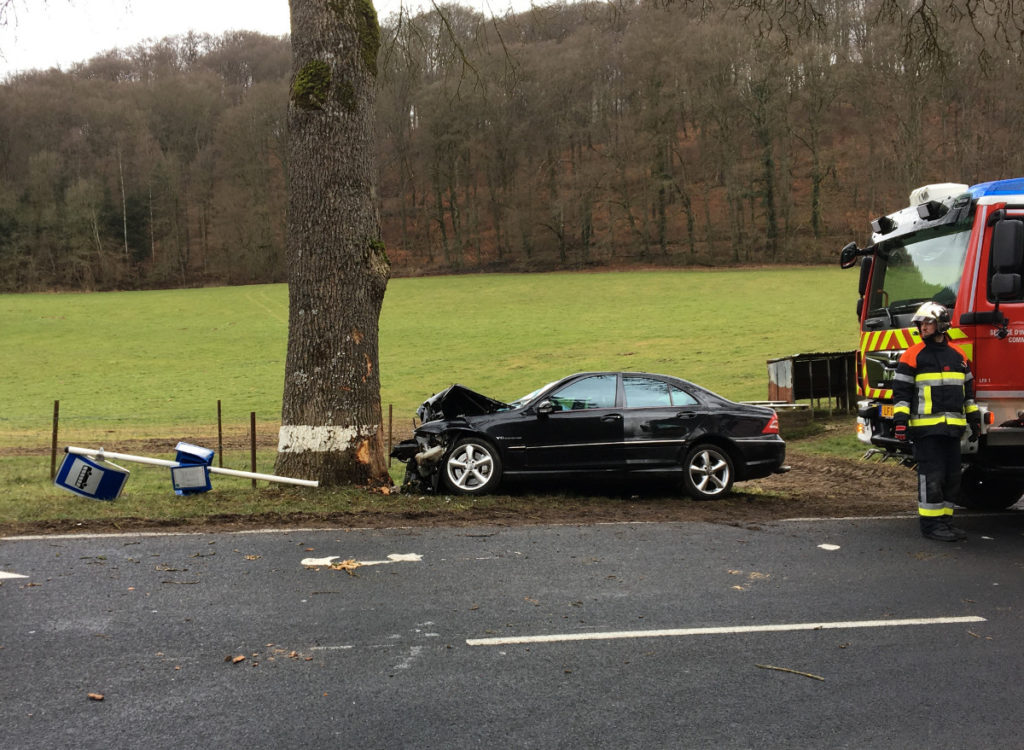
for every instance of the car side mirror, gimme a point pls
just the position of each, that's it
(545, 407)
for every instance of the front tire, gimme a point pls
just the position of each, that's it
(472, 468)
(708, 472)
(988, 493)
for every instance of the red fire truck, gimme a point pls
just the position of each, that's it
(963, 247)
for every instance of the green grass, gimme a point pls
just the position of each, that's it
(152, 360)
(134, 365)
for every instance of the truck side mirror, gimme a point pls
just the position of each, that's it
(848, 255)
(1007, 259)
(1006, 286)
(1008, 246)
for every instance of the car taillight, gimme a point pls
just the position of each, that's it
(772, 428)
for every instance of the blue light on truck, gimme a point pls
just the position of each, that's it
(998, 187)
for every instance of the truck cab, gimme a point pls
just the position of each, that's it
(963, 247)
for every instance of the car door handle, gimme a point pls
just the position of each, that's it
(685, 415)
(611, 418)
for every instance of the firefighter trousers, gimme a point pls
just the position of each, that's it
(938, 477)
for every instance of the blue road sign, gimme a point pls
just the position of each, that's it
(97, 480)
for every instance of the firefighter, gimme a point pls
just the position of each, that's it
(933, 395)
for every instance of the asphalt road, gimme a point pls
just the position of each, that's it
(848, 633)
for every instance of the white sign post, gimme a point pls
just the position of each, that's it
(102, 455)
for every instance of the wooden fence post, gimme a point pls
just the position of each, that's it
(53, 446)
(220, 438)
(252, 442)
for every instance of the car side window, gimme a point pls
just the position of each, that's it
(681, 397)
(595, 392)
(646, 392)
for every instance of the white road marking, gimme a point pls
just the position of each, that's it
(407, 661)
(563, 637)
(828, 547)
(331, 648)
(314, 562)
(5, 574)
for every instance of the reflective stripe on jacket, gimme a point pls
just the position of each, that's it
(933, 391)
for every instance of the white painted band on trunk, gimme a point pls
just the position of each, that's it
(297, 438)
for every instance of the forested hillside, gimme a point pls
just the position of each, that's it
(569, 136)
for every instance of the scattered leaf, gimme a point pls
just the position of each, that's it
(95, 696)
(347, 565)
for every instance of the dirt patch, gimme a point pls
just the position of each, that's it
(816, 487)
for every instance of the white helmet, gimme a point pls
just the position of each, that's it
(935, 312)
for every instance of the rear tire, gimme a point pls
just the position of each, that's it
(472, 468)
(708, 472)
(980, 491)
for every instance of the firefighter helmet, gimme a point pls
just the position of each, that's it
(932, 311)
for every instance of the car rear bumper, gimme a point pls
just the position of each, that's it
(761, 458)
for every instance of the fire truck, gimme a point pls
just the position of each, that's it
(963, 247)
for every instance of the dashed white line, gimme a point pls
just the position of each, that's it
(726, 630)
(5, 574)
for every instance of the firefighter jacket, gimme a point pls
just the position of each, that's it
(933, 391)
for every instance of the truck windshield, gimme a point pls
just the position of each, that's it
(910, 270)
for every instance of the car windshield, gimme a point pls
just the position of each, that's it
(530, 396)
(592, 392)
(914, 269)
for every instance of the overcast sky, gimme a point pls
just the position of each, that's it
(47, 33)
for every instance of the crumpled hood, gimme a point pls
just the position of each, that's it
(457, 401)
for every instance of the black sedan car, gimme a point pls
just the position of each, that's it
(592, 424)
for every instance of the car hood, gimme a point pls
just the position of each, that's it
(457, 401)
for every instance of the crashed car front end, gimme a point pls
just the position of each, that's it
(422, 455)
(443, 417)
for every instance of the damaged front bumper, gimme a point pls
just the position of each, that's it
(422, 457)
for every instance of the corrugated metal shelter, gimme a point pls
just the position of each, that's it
(816, 376)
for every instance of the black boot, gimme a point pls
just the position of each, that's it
(960, 533)
(939, 530)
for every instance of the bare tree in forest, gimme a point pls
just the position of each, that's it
(331, 415)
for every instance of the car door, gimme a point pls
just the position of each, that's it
(583, 429)
(658, 420)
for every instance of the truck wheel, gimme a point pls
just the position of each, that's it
(981, 492)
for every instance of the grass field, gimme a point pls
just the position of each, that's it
(154, 364)
(149, 361)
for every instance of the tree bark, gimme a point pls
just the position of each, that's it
(338, 270)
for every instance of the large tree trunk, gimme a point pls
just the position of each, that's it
(331, 415)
